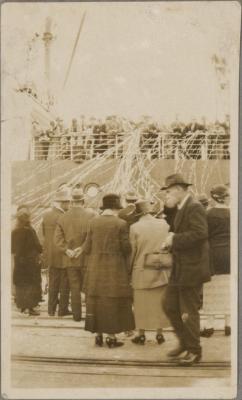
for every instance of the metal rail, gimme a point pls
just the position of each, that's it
(109, 362)
(79, 146)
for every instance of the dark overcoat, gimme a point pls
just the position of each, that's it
(70, 233)
(25, 248)
(219, 240)
(190, 246)
(52, 255)
(109, 248)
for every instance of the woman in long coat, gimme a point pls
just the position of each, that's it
(147, 236)
(107, 281)
(26, 275)
(216, 294)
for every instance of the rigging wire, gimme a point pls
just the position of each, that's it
(74, 49)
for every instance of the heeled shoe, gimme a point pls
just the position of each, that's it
(99, 340)
(139, 339)
(113, 342)
(160, 338)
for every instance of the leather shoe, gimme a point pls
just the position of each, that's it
(33, 312)
(227, 331)
(64, 313)
(207, 332)
(139, 339)
(176, 352)
(189, 359)
(113, 342)
(99, 340)
(160, 338)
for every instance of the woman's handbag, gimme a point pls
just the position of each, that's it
(158, 260)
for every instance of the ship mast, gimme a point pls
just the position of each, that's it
(48, 38)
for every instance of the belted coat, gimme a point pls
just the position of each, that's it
(109, 248)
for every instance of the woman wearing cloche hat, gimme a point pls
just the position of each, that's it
(107, 282)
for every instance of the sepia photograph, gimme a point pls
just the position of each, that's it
(119, 167)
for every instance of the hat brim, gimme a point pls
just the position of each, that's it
(175, 184)
(131, 199)
(111, 208)
(77, 198)
(129, 210)
(141, 213)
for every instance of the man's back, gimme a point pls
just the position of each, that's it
(71, 232)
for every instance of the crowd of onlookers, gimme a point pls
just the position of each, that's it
(85, 138)
(141, 264)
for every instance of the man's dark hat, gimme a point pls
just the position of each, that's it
(173, 180)
(111, 201)
(219, 191)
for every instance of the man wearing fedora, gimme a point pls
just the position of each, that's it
(70, 234)
(189, 245)
(128, 212)
(58, 282)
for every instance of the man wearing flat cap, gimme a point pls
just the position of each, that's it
(189, 246)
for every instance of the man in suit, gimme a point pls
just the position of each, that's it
(189, 246)
(58, 283)
(70, 234)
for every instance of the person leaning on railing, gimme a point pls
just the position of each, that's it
(54, 146)
(43, 145)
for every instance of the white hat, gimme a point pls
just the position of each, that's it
(62, 194)
(77, 194)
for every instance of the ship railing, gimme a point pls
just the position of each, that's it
(80, 147)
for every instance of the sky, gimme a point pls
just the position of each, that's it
(131, 58)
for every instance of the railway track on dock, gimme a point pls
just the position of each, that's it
(223, 365)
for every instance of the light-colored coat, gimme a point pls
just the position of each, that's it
(147, 236)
